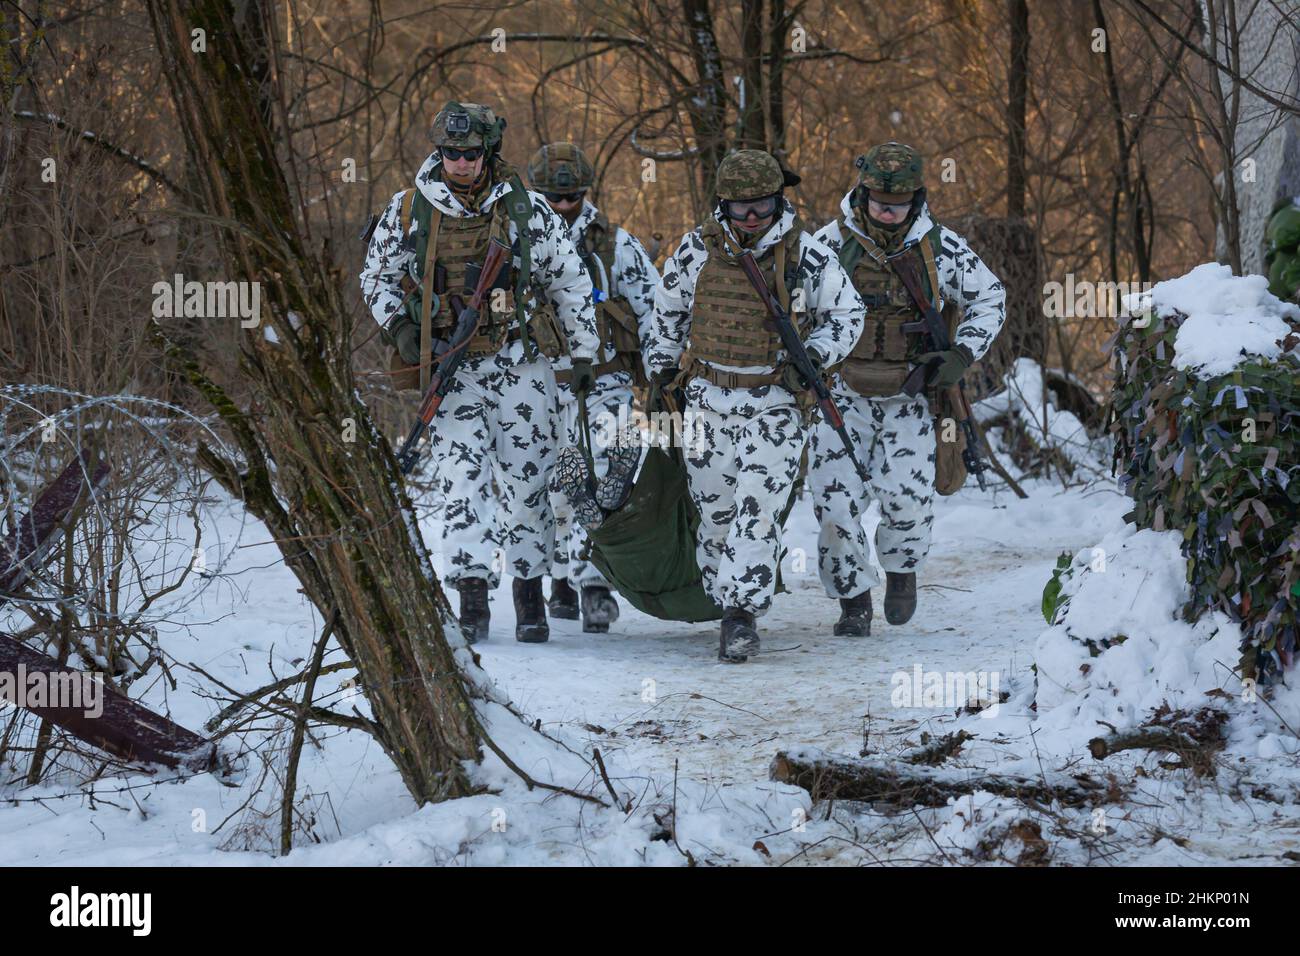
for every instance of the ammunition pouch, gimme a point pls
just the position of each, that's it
(872, 378)
(546, 332)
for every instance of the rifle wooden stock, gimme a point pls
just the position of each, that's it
(933, 327)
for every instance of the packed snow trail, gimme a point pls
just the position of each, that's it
(655, 690)
(979, 611)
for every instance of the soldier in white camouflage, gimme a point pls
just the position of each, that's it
(498, 422)
(885, 219)
(624, 279)
(712, 334)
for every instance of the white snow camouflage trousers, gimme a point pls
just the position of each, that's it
(894, 439)
(740, 470)
(497, 422)
(603, 415)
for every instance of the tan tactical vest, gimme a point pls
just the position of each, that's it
(729, 323)
(453, 243)
(878, 363)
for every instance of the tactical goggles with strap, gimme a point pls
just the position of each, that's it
(878, 208)
(741, 209)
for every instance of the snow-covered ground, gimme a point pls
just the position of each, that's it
(679, 730)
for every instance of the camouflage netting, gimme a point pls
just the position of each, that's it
(1184, 452)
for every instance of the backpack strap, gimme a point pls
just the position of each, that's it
(605, 246)
(930, 253)
(519, 208)
(427, 296)
(782, 278)
(851, 251)
(793, 241)
(408, 198)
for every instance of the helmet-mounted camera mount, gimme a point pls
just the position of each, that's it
(458, 124)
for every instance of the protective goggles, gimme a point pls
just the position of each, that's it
(565, 197)
(742, 209)
(877, 208)
(471, 153)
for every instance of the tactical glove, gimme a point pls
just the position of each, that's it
(406, 339)
(583, 376)
(792, 380)
(663, 378)
(948, 365)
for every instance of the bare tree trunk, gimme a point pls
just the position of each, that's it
(1017, 98)
(708, 107)
(335, 506)
(751, 104)
(1122, 194)
(780, 29)
(1227, 105)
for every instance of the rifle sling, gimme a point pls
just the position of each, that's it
(426, 299)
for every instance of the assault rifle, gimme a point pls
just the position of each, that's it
(798, 356)
(498, 255)
(935, 329)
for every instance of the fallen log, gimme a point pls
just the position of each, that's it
(902, 785)
(83, 706)
(74, 700)
(931, 753)
(1195, 756)
(35, 534)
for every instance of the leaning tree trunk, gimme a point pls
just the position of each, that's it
(1017, 98)
(336, 507)
(752, 133)
(707, 106)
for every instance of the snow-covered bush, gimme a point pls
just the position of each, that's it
(1117, 648)
(1205, 413)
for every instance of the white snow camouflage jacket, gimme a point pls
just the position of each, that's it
(635, 278)
(556, 270)
(963, 276)
(836, 309)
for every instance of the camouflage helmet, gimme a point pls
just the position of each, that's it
(751, 174)
(891, 168)
(560, 168)
(465, 125)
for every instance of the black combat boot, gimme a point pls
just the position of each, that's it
(573, 479)
(563, 604)
(613, 491)
(599, 609)
(855, 616)
(530, 611)
(474, 614)
(900, 597)
(738, 638)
